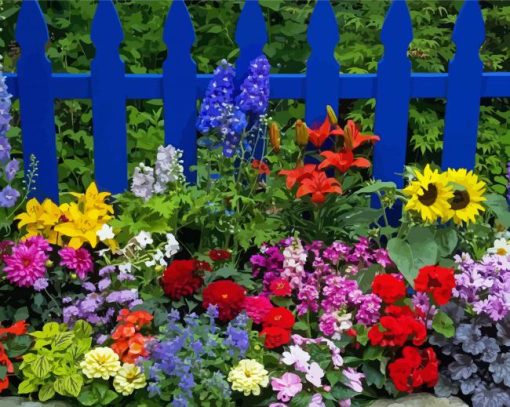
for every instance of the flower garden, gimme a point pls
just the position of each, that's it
(285, 276)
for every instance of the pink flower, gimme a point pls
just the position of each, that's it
(297, 357)
(316, 401)
(354, 379)
(27, 261)
(78, 260)
(315, 374)
(277, 405)
(257, 308)
(287, 386)
(344, 403)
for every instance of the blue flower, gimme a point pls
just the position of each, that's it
(8, 197)
(254, 96)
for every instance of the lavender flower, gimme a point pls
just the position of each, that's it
(142, 185)
(11, 169)
(8, 197)
(40, 284)
(168, 168)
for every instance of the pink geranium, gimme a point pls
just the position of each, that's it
(257, 307)
(78, 260)
(287, 386)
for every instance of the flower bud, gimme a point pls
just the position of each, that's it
(331, 115)
(73, 276)
(348, 138)
(158, 268)
(301, 133)
(274, 137)
(48, 263)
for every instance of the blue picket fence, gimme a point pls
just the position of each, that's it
(179, 86)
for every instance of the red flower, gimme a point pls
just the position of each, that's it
(18, 328)
(227, 296)
(436, 280)
(389, 288)
(396, 331)
(318, 185)
(261, 166)
(279, 317)
(297, 174)
(202, 266)
(280, 287)
(5, 361)
(136, 318)
(180, 279)
(130, 349)
(343, 160)
(319, 135)
(414, 369)
(353, 138)
(219, 255)
(275, 337)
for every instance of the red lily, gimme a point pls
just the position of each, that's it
(353, 138)
(343, 160)
(297, 174)
(318, 185)
(319, 135)
(261, 166)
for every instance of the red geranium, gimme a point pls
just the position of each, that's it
(280, 287)
(219, 255)
(414, 369)
(389, 288)
(396, 331)
(181, 279)
(279, 317)
(227, 296)
(275, 337)
(436, 280)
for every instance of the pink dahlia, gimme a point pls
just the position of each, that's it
(78, 260)
(257, 308)
(27, 261)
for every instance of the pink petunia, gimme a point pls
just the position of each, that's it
(78, 260)
(287, 386)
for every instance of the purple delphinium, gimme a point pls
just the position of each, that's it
(254, 91)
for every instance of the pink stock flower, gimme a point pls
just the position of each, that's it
(257, 307)
(354, 379)
(287, 386)
(27, 261)
(78, 260)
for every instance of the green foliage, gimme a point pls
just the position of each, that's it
(52, 366)
(443, 324)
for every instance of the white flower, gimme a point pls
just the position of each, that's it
(105, 233)
(144, 239)
(501, 248)
(296, 356)
(125, 268)
(315, 374)
(172, 245)
(158, 258)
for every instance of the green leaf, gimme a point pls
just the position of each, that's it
(333, 376)
(301, 400)
(499, 205)
(41, 366)
(446, 240)
(82, 329)
(3, 371)
(443, 324)
(376, 186)
(373, 376)
(373, 353)
(46, 392)
(73, 384)
(88, 397)
(62, 341)
(401, 254)
(366, 277)
(21, 314)
(27, 386)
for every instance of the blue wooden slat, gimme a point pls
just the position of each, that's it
(36, 105)
(464, 89)
(108, 100)
(251, 36)
(180, 85)
(321, 68)
(392, 94)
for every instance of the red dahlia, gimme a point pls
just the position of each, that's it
(280, 287)
(279, 317)
(181, 279)
(414, 369)
(275, 337)
(219, 255)
(227, 296)
(389, 288)
(436, 280)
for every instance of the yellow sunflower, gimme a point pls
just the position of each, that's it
(468, 192)
(428, 195)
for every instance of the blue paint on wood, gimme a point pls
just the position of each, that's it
(321, 68)
(37, 103)
(393, 93)
(464, 89)
(180, 85)
(108, 101)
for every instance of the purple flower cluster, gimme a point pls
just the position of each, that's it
(8, 167)
(319, 276)
(220, 112)
(484, 285)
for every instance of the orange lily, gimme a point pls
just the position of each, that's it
(353, 138)
(343, 160)
(297, 174)
(319, 135)
(318, 185)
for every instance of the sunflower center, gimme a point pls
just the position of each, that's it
(460, 200)
(429, 195)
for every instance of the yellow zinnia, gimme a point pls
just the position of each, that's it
(248, 376)
(101, 362)
(129, 378)
(429, 195)
(468, 192)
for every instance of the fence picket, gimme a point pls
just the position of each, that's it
(464, 89)
(108, 100)
(180, 85)
(36, 99)
(392, 94)
(322, 69)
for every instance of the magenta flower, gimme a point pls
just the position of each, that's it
(354, 379)
(78, 260)
(257, 307)
(287, 386)
(27, 261)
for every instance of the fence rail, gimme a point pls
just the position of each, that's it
(179, 86)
